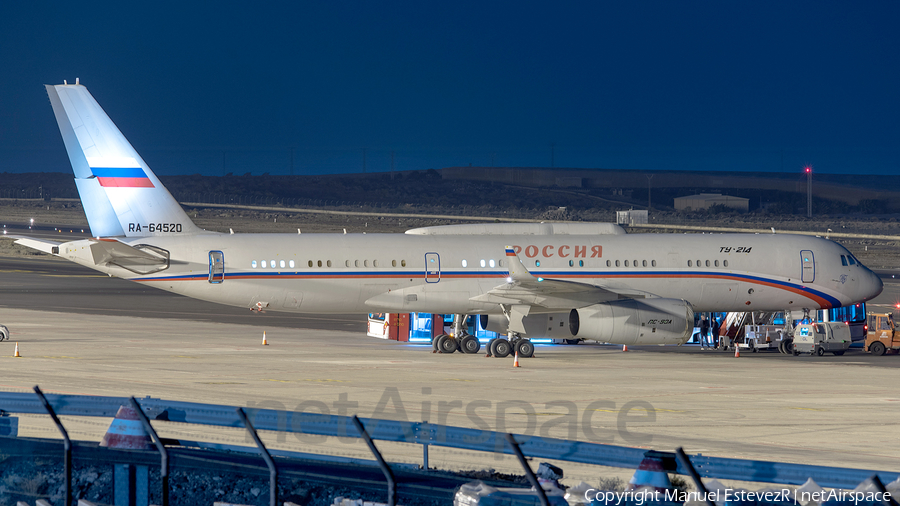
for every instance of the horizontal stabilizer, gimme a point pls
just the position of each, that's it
(38, 244)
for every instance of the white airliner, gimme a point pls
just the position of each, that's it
(584, 280)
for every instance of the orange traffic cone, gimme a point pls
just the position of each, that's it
(516, 363)
(17, 350)
(126, 431)
(264, 339)
(737, 351)
(624, 347)
(650, 473)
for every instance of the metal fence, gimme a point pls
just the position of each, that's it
(429, 434)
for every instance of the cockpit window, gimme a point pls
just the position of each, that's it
(843, 260)
(851, 259)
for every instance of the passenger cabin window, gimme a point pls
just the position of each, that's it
(292, 264)
(689, 263)
(402, 263)
(617, 263)
(572, 263)
(653, 263)
(725, 263)
(253, 264)
(465, 264)
(581, 263)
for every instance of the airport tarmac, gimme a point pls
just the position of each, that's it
(84, 333)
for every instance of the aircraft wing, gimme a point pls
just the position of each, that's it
(523, 292)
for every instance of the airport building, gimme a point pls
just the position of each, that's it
(705, 200)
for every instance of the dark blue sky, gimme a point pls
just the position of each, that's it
(628, 85)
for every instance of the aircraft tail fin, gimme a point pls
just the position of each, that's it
(120, 194)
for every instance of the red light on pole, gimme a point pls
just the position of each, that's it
(808, 170)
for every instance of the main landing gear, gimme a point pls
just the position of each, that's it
(503, 347)
(463, 342)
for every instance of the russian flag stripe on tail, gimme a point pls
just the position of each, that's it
(119, 172)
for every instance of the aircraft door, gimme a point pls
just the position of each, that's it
(432, 267)
(808, 274)
(216, 267)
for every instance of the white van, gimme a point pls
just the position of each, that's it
(818, 338)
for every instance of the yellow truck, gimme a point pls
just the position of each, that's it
(882, 334)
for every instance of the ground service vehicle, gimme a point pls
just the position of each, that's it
(4, 333)
(817, 338)
(883, 335)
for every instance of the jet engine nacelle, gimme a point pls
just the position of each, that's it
(634, 321)
(552, 325)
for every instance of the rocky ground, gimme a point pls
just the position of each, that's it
(27, 480)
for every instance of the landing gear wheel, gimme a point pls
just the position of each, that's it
(447, 345)
(789, 346)
(469, 344)
(434, 341)
(525, 348)
(490, 347)
(877, 349)
(502, 348)
(781, 347)
(839, 353)
(820, 351)
(572, 341)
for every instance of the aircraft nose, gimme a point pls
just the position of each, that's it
(870, 285)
